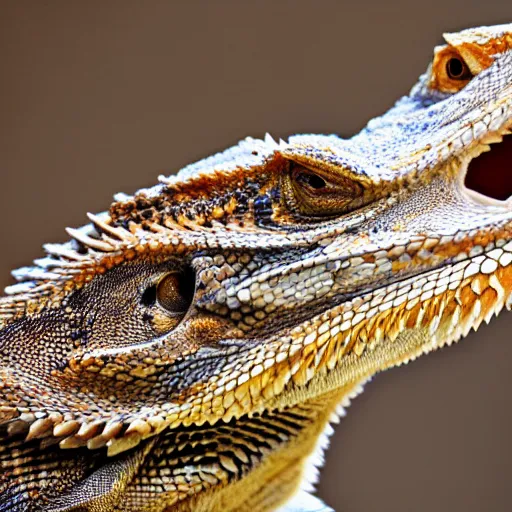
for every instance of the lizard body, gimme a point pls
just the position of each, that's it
(187, 349)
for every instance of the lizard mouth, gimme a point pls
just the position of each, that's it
(489, 176)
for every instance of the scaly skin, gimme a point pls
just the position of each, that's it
(188, 348)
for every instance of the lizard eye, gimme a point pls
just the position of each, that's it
(311, 180)
(167, 301)
(320, 193)
(175, 291)
(450, 73)
(457, 69)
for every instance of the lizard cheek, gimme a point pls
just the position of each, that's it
(208, 330)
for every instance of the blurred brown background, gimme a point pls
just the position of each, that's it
(98, 97)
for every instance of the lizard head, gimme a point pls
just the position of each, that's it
(272, 274)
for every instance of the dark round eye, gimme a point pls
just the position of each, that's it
(175, 291)
(310, 179)
(457, 69)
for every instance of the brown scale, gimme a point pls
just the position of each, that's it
(219, 196)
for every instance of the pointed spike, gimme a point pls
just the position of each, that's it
(72, 442)
(158, 228)
(508, 303)
(89, 430)
(139, 426)
(96, 442)
(86, 240)
(66, 428)
(121, 197)
(165, 180)
(112, 429)
(39, 429)
(270, 140)
(116, 446)
(157, 423)
(63, 250)
(104, 225)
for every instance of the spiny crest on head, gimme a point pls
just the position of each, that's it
(498, 35)
(111, 239)
(225, 194)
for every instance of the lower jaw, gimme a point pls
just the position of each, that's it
(444, 320)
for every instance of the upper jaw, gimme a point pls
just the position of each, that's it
(422, 131)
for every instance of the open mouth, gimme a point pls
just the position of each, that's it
(490, 174)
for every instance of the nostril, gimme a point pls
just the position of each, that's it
(490, 174)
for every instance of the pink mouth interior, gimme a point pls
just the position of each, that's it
(490, 174)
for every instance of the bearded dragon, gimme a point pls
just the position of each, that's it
(188, 349)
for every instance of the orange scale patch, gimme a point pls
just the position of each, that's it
(488, 300)
(413, 316)
(504, 274)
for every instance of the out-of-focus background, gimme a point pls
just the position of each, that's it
(101, 96)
